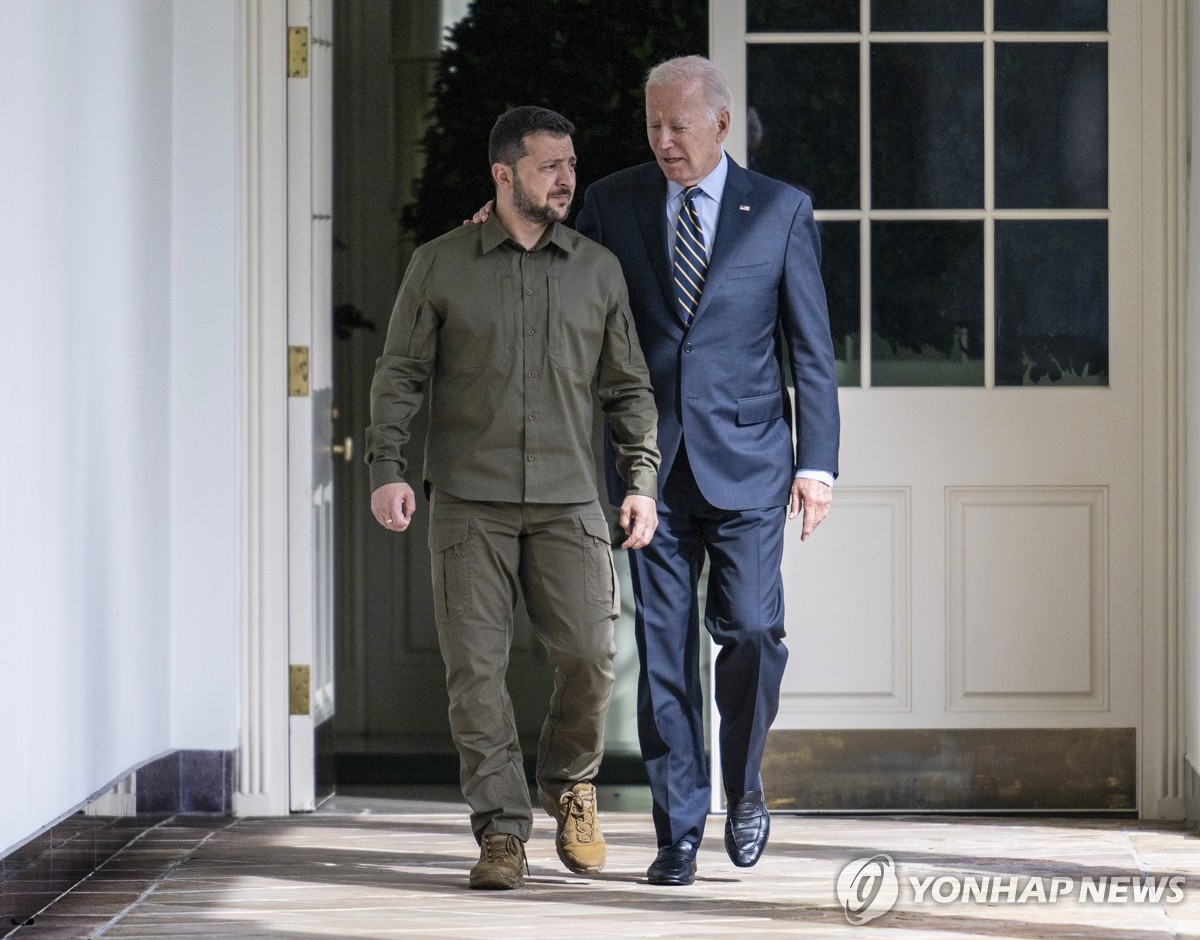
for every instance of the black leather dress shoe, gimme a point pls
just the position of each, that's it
(674, 865)
(746, 829)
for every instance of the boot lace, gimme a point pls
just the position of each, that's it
(500, 848)
(580, 813)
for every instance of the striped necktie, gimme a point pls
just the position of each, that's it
(691, 260)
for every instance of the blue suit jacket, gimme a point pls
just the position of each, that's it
(720, 384)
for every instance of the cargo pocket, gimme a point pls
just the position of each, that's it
(451, 572)
(600, 577)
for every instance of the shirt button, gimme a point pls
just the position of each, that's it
(530, 332)
(532, 416)
(531, 374)
(529, 290)
(532, 457)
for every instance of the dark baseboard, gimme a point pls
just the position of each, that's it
(373, 769)
(69, 850)
(1090, 771)
(965, 770)
(188, 782)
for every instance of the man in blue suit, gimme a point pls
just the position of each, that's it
(723, 269)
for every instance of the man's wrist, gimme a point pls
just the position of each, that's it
(824, 476)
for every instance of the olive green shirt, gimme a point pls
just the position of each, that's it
(509, 342)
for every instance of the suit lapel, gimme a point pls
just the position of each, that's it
(652, 219)
(733, 223)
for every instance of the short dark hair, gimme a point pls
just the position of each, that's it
(507, 141)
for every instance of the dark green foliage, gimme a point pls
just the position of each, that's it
(586, 59)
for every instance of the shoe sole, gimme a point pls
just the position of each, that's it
(575, 866)
(670, 881)
(496, 883)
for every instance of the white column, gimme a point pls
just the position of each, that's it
(1191, 585)
(263, 726)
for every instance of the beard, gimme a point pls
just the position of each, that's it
(541, 213)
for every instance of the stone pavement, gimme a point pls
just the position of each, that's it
(368, 866)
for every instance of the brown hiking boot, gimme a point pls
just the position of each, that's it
(579, 841)
(501, 862)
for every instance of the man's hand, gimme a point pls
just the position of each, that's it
(639, 519)
(480, 216)
(813, 498)
(393, 505)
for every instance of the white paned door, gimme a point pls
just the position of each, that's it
(982, 567)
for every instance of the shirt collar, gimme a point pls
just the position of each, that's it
(492, 233)
(712, 185)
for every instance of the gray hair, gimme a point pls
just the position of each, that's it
(694, 68)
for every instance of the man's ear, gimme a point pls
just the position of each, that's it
(722, 126)
(502, 176)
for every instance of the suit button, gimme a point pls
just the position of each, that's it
(687, 347)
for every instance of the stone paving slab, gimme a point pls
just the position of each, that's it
(375, 869)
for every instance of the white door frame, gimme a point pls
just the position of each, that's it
(310, 433)
(1164, 135)
(262, 782)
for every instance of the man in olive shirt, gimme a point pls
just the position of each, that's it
(509, 323)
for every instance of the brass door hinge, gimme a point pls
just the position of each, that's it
(297, 371)
(298, 698)
(297, 52)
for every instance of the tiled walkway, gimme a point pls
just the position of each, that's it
(372, 867)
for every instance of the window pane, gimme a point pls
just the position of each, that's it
(839, 270)
(1051, 15)
(927, 126)
(797, 16)
(802, 119)
(927, 303)
(1051, 125)
(927, 15)
(1052, 302)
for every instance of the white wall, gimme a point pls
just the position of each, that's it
(118, 509)
(204, 413)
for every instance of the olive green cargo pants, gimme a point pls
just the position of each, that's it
(559, 557)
